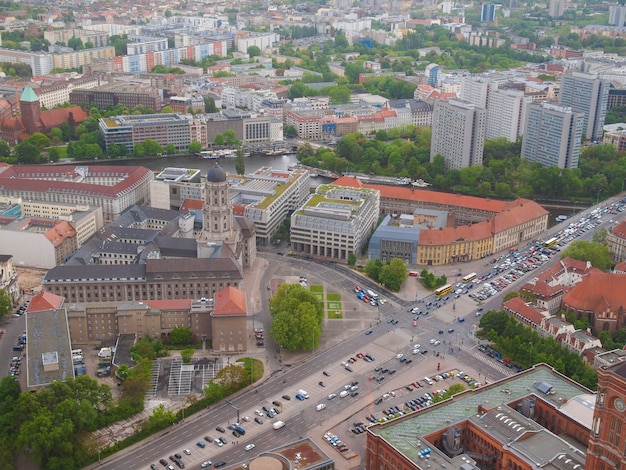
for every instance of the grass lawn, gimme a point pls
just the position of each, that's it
(334, 305)
(336, 297)
(317, 289)
(334, 314)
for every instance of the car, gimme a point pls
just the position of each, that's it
(223, 440)
(258, 420)
(320, 407)
(200, 444)
(286, 397)
(163, 462)
(299, 397)
(177, 456)
(321, 384)
(154, 467)
(246, 419)
(450, 330)
(348, 368)
(220, 429)
(208, 438)
(219, 464)
(440, 332)
(205, 464)
(331, 396)
(236, 434)
(249, 447)
(187, 452)
(218, 442)
(326, 374)
(277, 403)
(258, 412)
(416, 351)
(399, 356)
(368, 332)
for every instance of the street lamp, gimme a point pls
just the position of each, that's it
(530, 355)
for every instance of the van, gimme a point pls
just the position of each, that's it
(344, 393)
(304, 393)
(278, 424)
(77, 352)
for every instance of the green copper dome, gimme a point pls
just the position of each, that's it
(29, 95)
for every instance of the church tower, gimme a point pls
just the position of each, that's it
(30, 109)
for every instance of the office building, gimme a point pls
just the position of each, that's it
(130, 130)
(458, 133)
(488, 12)
(477, 90)
(589, 95)
(334, 222)
(433, 72)
(556, 8)
(113, 188)
(41, 63)
(552, 135)
(112, 94)
(537, 418)
(607, 442)
(506, 113)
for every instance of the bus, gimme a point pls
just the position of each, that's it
(443, 290)
(469, 278)
(550, 243)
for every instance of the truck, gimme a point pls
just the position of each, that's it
(105, 352)
(278, 424)
(304, 393)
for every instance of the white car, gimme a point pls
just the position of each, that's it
(218, 442)
(320, 407)
(432, 341)
(417, 346)
(399, 356)
(187, 452)
(249, 447)
(331, 396)
(246, 419)
(258, 412)
(416, 351)
(205, 464)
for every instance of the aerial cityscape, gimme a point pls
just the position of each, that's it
(333, 234)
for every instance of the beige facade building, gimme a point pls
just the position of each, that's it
(74, 60)
(616, 240)
(229, 332)
(8, 277)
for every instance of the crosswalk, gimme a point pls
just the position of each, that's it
(490, 362)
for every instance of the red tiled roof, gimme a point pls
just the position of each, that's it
(619, 230)
(21, 178)
(598, 291)
(189, 204)
(55, 117)
(517, 304)
(518, 212)
(239, 209)
(169, 304)
(45, 301)
(445, 236)
(230, 301)
(60, 232)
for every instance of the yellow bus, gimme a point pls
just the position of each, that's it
(551, 242)
(469, 278)
(443, 290)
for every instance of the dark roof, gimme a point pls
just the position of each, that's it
(185, 267)
(95, 271)
(5, 258)
(216, 174)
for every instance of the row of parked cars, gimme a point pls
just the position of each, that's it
(336, 442)
(22, 310)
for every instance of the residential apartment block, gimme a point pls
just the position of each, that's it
(458, 133)
(77, 59)
(586, 94)
(615, 138)
(552, 135)
(41, 63)
(334, 222)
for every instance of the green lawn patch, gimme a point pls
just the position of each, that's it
(317, 289)
(334, 305)
(334, 314)
(336, 297)
(319, 296)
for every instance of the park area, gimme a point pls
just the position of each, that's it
(332, 303)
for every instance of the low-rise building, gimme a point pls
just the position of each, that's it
(9, 280)
(616, 241)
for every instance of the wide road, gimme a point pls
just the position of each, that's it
(301, 417)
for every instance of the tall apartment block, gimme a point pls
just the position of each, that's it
(458, 133)
(552, 135)
(589, 95)
(505, 108)
(488, 12)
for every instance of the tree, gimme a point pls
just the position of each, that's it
(170, 149)
(393, 274)
(373, 268)
(186, 355)
(6, 303)
(27, 153)
(230, 137)
(195, 147)
(54, 154)
(240, 162)
(351, 259)
(290, 131)
(56, 135)
(494, 320)
(219, 140)
(233, 377)
(180, 336)
(600, 236)
(5, 149)
(152, 147)
(297, 318)
(254, 51)
(209, 105)
(160, 418)
(305, 151)
(595, 253)
(167, 110)
(510, 295)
